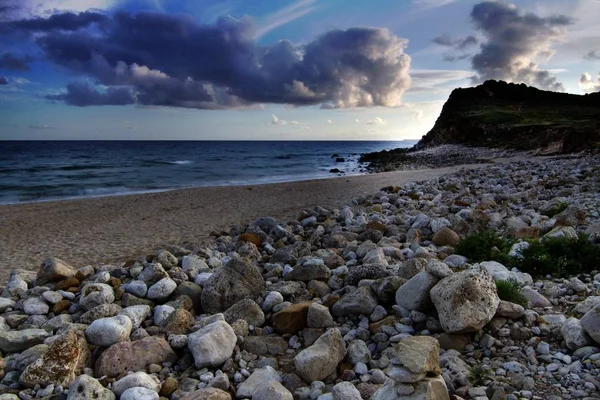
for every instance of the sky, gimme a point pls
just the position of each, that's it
(275, 69)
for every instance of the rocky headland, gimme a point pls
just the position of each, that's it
(497, 116)
(373, 300)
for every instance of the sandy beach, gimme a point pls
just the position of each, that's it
(113, 229)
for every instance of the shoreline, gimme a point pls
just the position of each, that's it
(117, 228)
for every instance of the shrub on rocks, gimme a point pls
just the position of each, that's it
(510, 291)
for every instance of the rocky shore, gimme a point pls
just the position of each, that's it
(368, 301)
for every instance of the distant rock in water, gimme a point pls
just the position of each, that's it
(515, 116)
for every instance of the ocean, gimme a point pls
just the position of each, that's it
(33, 171)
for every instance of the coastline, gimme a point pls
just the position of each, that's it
(117, 228)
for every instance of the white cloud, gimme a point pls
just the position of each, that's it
(45, 8)
(329, 121)
(277, 121)
(40, 126)
(589, 84)
(418, 115)
(357, 120)
(376, 121)
(285, 15)
(294, 122)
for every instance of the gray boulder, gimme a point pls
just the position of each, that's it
(466, 301)
(414, 294)
(85, 387)
(231, 283)
(320, 360)
(212, 345)
(358, 301)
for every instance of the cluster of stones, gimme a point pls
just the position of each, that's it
(366, 302)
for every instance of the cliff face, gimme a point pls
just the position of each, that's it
(499, 114)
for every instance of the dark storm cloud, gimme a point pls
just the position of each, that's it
(83, 94)
(458, 44)
(514, 40)
(67, 21)
(592, 55)
(173, 60)
(3, 80)
(12, 62)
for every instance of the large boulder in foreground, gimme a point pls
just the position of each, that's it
(212, 345)
(320, 360)
(465, 301)
(54, 270)
(231, 283)
(134, 356)
(65, 359)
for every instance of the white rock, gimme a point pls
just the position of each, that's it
(35, 306)
(500, 273)
(108, 331)
(255, 381)
(574, 335)
(466, 300)
(52, 297)
(273, 390)
(320, 360)
(6, 304)
(591, 323)
(139, 393)
(345, 391)
(85, 388)
(94, 294)
(136, 288)
(534, 298)
(517, 249)
(137, 314)
(414, 294)
(161, 314)
(272, 299)
(137, 379)
(162, 289)
(212, 345)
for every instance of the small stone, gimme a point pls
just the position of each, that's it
(318, 316)
(85, 387)
(321, 359)
(105, 332)
(212, 345)
(94, 294)
(139, 393)
(136, 380)
(161, 290)
(35, 306)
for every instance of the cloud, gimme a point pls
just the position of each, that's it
(418, 114)
(286, 15)
(592, 55)
(83, 94)
(67, 21)
(277, 121)
(3, 80)
(171, 60)
(329, 121)
(294, 122)
(18, 9)
(458, 44)
(589, 84)
(12, 62)
(376, 121)
(514, 42)
(41, 127)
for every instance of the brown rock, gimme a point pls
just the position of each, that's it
(375, 327)
(419, 354)
(458, 341)
(65, 359)
(53, 270)
(133, 356)
(378, 226)
(529, 232)
(265, 345)
(67, 283)
(168, 387)
(251, 237)
(61, 306)
(180, 322)
(445, 237)
(291, 319)
(207, 394)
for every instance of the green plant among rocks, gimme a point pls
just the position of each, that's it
(478, 375)
(510, 291)
(559, 257)
(485, 246)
